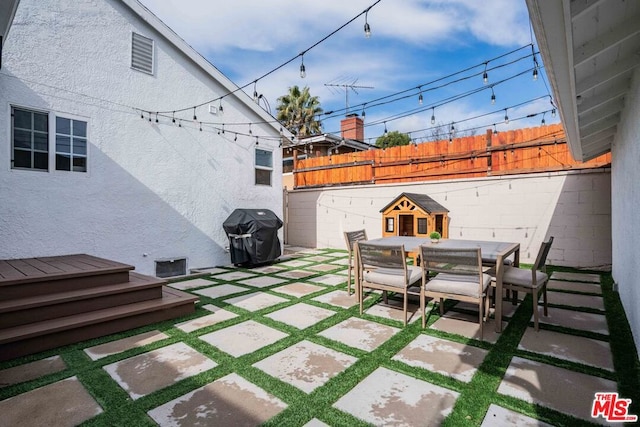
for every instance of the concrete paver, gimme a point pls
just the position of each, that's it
(255, 301)
(114, 347)
(228, 401)
(31, 371)
(298, 289)
(191, 284)
(301, 315)
(575, 320)
(386, 397)
(243, 338)
(145, 373)
(218, 315)
(499, 416)
(220, 291)
(360, 333)
(306, 365)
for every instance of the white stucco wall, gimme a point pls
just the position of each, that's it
(152, 191)
(625, 205)
(574, 207)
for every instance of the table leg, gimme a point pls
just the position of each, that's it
(498, 310)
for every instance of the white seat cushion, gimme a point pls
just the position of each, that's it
(522, 277)
(457, 284)
(393, 276)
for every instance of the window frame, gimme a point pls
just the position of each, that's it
(258, 167)
(423, 222)
(54, 142)
(32, 130)
(389, 224)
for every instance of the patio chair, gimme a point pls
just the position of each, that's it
(384, 267)
(458, 275)
(350, 238)
(531, 281)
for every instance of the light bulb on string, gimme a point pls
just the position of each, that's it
(200, 126)
(485, 75)
(543, 121)
(257, 143)
(493, 96)
(195, 118)
(156, 117)
(255, 92)
(149, 116)
(173, 118)
(535, 73)
(433, 116)
(453, 129)
(367, 27)
(385, 128)
(303, 70)
(506, 117)
(141, 115)
(553, 113)
(220, 108)
(495, 130)
(420, 98)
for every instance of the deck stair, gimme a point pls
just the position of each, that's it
(53, 301)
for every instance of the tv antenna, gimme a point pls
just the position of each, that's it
(346, 86)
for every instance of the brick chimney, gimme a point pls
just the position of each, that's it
(352, 127)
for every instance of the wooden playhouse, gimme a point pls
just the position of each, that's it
(412, 214)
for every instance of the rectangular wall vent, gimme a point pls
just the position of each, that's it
(172, 267)
(141, 53)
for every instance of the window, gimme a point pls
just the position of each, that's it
(422, 225)
(71, 145)
(141, 53)
(29, 139)
(264, 166)
(389, 225)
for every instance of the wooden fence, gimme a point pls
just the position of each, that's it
(518, 151)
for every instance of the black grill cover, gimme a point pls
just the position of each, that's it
(253, 236)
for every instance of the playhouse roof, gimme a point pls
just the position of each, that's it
(423, 201)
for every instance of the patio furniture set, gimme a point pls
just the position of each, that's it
(461, 270)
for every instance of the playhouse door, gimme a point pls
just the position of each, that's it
(438, 226)
(405, 226)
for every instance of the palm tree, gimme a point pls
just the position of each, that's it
(298, 111)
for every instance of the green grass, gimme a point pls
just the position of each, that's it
(470, 408)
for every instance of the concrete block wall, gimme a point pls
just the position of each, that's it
(574, 207)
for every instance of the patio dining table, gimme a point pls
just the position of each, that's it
(493, 253)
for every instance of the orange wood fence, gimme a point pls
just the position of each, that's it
(530, 150)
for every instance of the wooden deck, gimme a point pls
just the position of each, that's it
(52, 301)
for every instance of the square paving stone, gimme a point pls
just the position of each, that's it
(63, 403)
(318, 258)
(340, 261)
(576, 277)
(306, 365)
(329, 279)
(449, 358)
(338, 298)
(557, 388)
(243, 338)
(268, 269)
(220, 291)
(218, 315)
(467, 325)
(191, 284)
(262, 281)
(574, 319)
(499, 416)
(228, 401)
(575, 300)
(124, 344)
(316, 423)
(388, 398)
(296, 263)
(295, 274)
(393, 310)
(212, 270)
(298, 289)
(301, 315)
(145, 373)
(561, 285)
(360, 333)
(31, 371)
(568, 347)
(256, 301)
(322, 267)
(234, 275)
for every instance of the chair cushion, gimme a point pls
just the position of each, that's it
(393, 276)
(522, 277)
(457, 284)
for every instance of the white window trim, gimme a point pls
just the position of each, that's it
(40, 110)
(256, 166)
(52, 141)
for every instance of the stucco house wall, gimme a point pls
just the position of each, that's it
(574, 207)
(152, 191)
(625, 205)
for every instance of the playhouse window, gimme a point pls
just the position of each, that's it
(389, 225)
(422, 225)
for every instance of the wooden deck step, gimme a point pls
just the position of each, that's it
(35, 337)
(37, 308)
(38, 276)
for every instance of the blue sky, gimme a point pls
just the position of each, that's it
(412, 43)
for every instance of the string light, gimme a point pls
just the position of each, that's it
(141, 115)
(453, 129)
(495, 130)
(195, 118)
(543, 122)
(303, 71)
(433, 116)
(156, 117)
(385, 128)
(220, 109)
(535, 73)
(173, 118)
(553, 113)
(149, 116)
(485, 75)
(493, 96)
(200, 126)
(367, 27)
(506, 117)
(420, 97)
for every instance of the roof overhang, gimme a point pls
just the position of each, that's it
(590, 49)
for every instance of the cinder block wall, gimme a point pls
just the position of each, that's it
(574, 207)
